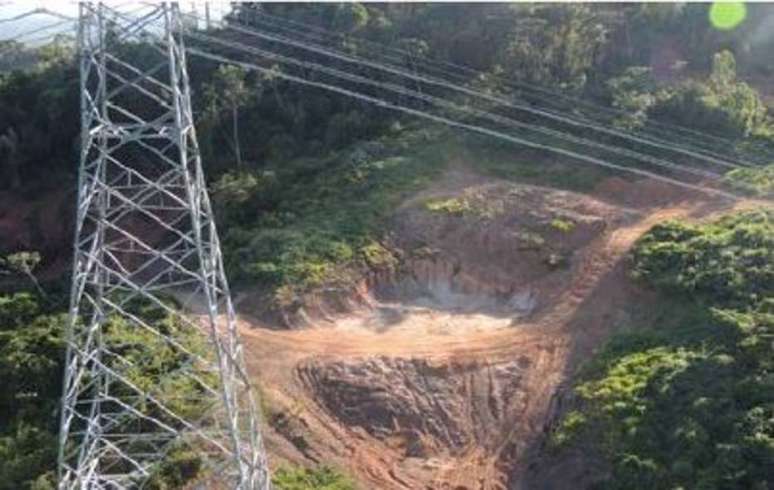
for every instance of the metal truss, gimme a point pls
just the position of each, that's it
(145, 241)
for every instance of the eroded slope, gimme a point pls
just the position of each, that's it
(442, 368)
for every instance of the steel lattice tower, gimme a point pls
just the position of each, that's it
(145, 238)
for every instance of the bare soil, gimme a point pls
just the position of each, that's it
(444, 372)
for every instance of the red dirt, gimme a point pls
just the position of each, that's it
(455, 399)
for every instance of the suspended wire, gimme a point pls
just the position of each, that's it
(449, 122)
(439, 118)
(29, 32)
(454, 106)
(478, 94)
(39, 41)
(550, 97)
(23, 36)
(620, 151)
(467, 91)
(445, 103)
(308, 29)
(33, 12)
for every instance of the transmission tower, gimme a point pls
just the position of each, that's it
(145, 242)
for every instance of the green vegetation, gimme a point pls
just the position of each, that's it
(688, 403)
(563, 225)
(323, 220)
(760, 180)
(530, 240)
(22, 263)
(722, 104)
(730, 263)
(474, 204)
(295, 227)
(455, 206)
(32, 328)
(31, 357)
(602, 52)
(322, 478)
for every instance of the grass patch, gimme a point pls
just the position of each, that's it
(320, 478)
(377, 256)
(453, 206)
(329, 213)
(530, 240)
(496, 158)
(563, 225)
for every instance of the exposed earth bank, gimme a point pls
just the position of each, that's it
(444, 366)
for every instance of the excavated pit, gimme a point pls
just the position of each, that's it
(442, 369)
(503, 257)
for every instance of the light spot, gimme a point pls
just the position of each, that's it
(725, 16)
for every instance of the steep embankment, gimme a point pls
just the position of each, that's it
(442, 368)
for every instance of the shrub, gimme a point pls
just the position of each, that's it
(321, 478)
(758, 180)
(731, 261)
(688, 403)
(563, 225)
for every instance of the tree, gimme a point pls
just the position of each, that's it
(555, 44)
(722, 104)
(633, 92)
(23, 263)
(321, 478)
(32, 349)
(228, 91)
(350, 17)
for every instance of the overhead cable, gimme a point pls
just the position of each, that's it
(454, 106)
(549, 96)
(449, 122)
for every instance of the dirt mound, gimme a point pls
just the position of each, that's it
(431, 407)
(439, 413)
(515, 244)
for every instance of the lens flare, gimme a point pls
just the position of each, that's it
(725, 16)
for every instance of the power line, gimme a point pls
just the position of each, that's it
(23, 34)
(549, 96)
(449, 122)
(491, 116)
(440, 118)
(466, 91)
(451, 105)
(34, 12)
(384, 103)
